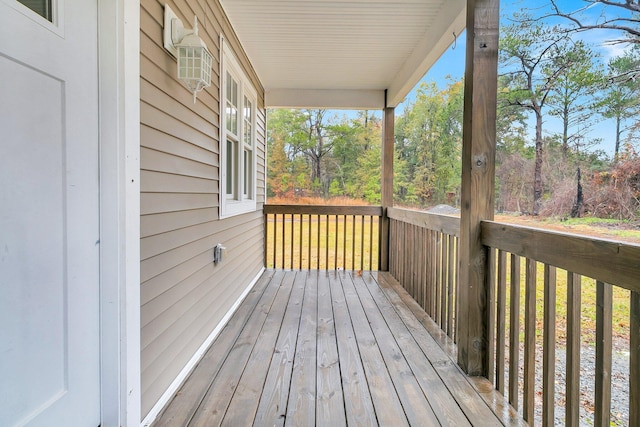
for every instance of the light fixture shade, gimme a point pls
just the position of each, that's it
(194, 63)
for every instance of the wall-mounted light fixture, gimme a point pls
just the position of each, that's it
(194, 59)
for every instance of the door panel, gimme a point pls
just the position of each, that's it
(49, 218)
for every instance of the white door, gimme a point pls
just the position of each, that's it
(49, 223)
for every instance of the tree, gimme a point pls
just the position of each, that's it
(318, 143)
(527, 51)
(573, 96)
(621, 101)
(361, 137)
(428, 144)
(284, 135)
(511, 125)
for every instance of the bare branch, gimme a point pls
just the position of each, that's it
(618, 23)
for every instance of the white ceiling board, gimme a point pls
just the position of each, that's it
(335, 99)
(438, 38)
(304, 47)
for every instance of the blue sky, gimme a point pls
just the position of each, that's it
(451, 64)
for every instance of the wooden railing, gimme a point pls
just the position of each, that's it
(609, 266)
(522, 297)
(423, 257)
(523, 278)
(322, 237)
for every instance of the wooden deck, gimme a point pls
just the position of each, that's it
(331, 349)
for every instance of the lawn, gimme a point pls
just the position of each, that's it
(337, 242)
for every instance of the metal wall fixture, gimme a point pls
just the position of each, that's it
(192, 54)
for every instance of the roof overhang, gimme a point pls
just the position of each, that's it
(351, 54)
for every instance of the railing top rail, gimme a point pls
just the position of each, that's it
(323, 210)
(609, 261)
(444, 223)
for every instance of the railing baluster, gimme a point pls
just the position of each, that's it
(300, 243)
(309, 242)
(275, 240)
(335, 253)
(353, 242)
(574, 297)
(415, 261)
(428, 270)
(425, 260)
(529, 341)
(501, 300)
(292, 223)
(603, 354)
(410, 250)
(370, 242)
(438, 283)
(265, 235)
(423, 244)
(326, 242)
(456, 284)
(514, 331)
(318, 243)
(450, 281)
(436, 276)
(361, 254)
(549, 346)
(284, 221)
(443, 286)
(344, 242)
(634, 360)
(491, 314)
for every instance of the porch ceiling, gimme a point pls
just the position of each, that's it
(343, 53)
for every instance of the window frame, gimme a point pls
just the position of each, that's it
(239, 201)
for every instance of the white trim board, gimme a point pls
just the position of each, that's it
(119, 98)
(191, 364)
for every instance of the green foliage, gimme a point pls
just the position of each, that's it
(621, 100)
(311, 153)
(428, 145)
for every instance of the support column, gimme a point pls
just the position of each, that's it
(478, 176)
(388, 123)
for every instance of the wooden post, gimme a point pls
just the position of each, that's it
(388, 122)
(478, 170)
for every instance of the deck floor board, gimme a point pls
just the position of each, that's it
(327, 349)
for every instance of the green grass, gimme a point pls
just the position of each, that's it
(620, 310)
(346, 243)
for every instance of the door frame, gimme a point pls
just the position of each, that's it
(119, 104)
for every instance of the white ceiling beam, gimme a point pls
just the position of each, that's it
(329, 98)
(435, 42)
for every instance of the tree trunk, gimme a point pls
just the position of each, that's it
(565, 132)
(577, 206)
(537, 173)
(617, 152)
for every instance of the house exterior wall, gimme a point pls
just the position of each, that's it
(183, 294)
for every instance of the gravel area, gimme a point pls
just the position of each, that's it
(619, 384)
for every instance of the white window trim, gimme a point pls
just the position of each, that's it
(229, 206)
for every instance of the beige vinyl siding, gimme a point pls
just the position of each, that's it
(183, 294)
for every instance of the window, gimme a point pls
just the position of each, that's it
(238, 138)
(41, 7)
